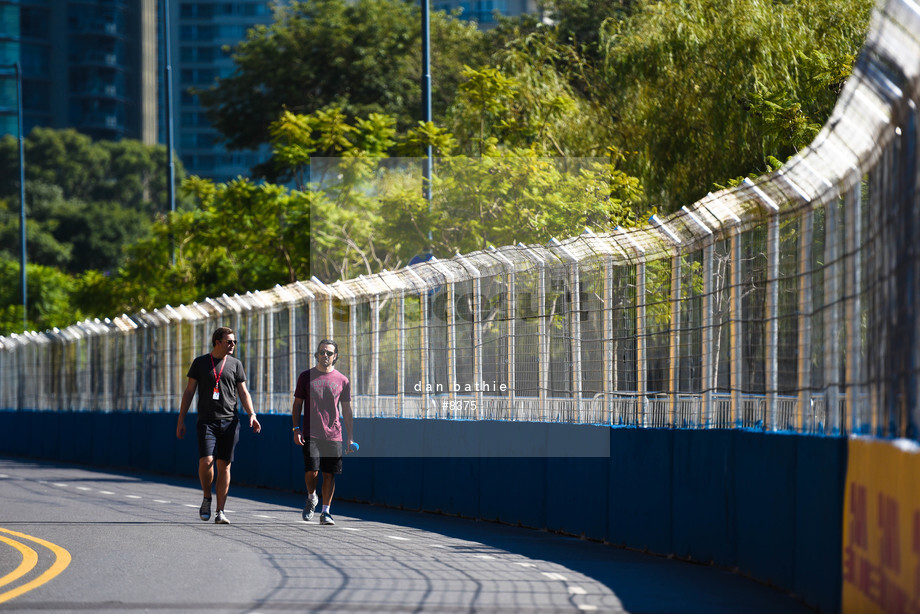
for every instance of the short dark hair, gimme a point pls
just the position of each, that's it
(328, 342)
(219, 334)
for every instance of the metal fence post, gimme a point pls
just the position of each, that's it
(805, 308)
(772, 307)
(574, 309)
(707, 305)
(423, 341)
(449, 314)
(641, 301)
(854, 288)
(734, 308)
(832, 322)
(542, 330)
(510, 315)
(674, 328)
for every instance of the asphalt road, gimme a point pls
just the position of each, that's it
(135, 544)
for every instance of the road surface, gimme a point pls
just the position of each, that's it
(76, 539)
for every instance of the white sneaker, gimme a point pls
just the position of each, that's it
(310, 506)
(221, 518)
(326, 518)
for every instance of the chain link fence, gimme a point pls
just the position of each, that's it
(785, 304)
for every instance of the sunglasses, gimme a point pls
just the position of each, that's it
(232, 342)
(326, 353)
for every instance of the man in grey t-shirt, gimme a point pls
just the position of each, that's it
(219, 379)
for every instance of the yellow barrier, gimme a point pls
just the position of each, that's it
(881, 527)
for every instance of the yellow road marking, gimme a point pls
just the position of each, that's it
(61, 561)
(29, 561)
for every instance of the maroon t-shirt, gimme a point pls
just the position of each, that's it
(325, 391)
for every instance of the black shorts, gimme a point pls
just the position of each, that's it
(218, 438)
(322, 455)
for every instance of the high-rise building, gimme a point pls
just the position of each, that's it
(9, 56)
(202, 34)
(86, 64)
(98, 66)
(484, 12)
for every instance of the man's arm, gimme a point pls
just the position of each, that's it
(349, 422)
(295, 416)
(246, 399)
(187, 395)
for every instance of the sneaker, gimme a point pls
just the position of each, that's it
(205, 511)
(326, 518)
(221, 518)
(310, 506)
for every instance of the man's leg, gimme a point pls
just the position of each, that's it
(328, 488)
(206, 474)
(310, 478)
(223, 482)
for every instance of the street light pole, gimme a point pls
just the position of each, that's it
(22, 199)
(167, 60)
(426, 100)
(167, 93)
(22, 194)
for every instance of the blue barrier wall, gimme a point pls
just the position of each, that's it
(770, 506)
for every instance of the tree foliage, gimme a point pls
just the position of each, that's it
(541, 129)
(363, 57)
(48, 292)
(689, 92)
(86, 202)
(706, 90)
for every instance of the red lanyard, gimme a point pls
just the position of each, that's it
(216, 374)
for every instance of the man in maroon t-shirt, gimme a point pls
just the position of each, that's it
(321, 434)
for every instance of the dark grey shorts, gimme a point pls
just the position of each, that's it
(322, 455)
(218, 438)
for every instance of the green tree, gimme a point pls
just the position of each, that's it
(579, 23)
(505, 197)
(359, 212)
(703, 90)
(527, 99)
(127, 171)
(85, 200)
(364, 57)
(48, 297)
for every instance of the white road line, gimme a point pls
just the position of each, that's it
(350, 529)
(398, 538)
(554, 576)
(526, 564)
(107, 492)
(487, 557)
(190, 505)
(161, 501)
(133, 497)
(264, 516)
(585, 607)
(61, 485)
(3, 475)
(83, 488)
(577, 590)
